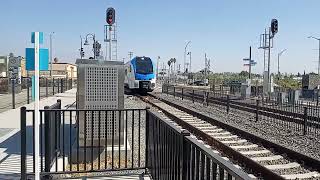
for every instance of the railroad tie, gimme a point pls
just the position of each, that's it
(245, 146)
(226, 137)
(308, 175)
(235, 142)
(219, 134)
(265, 151)
(268, 158)
(283, 166)
(209, 129)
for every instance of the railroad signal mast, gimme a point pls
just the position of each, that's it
(111, 34)
(266, 43)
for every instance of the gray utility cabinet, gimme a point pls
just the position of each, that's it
(100, 87)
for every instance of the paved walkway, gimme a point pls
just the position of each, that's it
(10, 135)
(20, 98)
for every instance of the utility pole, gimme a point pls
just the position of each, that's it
(130, 54)
(205, 65)
(158, 67)
(319, 53)
(251, 63)
(51, 53)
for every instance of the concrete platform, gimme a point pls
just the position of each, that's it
(10, 138)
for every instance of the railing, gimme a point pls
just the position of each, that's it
(297, 116)
(84, 141)
(118, 141)
(48, 87)
(173, 154)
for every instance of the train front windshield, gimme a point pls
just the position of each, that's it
(144, 66)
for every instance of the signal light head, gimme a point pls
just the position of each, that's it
(110, 16)
(274, 26)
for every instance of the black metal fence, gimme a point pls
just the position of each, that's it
(48, 87)
(104, 140)
(173, 154)
(71, 146)
(297, 116)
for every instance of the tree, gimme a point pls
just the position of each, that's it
(55, 60)
(244, 74)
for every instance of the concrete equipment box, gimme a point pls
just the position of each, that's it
(100, 87)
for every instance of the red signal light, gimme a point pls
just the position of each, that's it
(110, 16)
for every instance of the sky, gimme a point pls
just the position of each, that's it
(223, 29)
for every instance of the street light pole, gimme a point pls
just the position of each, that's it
(319, 53)
(185, 51)
(279, 54)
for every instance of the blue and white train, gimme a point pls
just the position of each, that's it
(140, 75)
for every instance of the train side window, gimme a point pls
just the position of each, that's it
(129, 68)
(126, 72)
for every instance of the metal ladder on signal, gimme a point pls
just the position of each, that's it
(114, 48)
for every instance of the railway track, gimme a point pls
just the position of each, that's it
(263, 158)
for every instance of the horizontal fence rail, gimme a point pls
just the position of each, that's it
(21, 94)
(298, 116)
(83, 141)
(173, 154)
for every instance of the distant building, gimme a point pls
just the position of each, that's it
(310, 81)
(63, 70)
(3, 66)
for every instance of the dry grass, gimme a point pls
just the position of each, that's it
(105, 164)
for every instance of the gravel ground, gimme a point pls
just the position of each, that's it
(265, 127)
(134, 103)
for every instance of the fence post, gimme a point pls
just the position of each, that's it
(305, 119)
(62, 90)
(193, 95)
(52, 86)
(182, 93)
(185, 157)
(46, 87)
(204, 97)
(317, 97)
(28, 92)
(257, 110)
(147, 137)
(23, 129)
(228, 103)
(174, 91)
(47, 140)
(13, 91)
(207, 98)
(58, 86)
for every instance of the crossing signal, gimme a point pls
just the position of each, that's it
(274, 26)
(110, 16)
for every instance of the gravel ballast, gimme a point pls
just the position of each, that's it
(279, 133)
